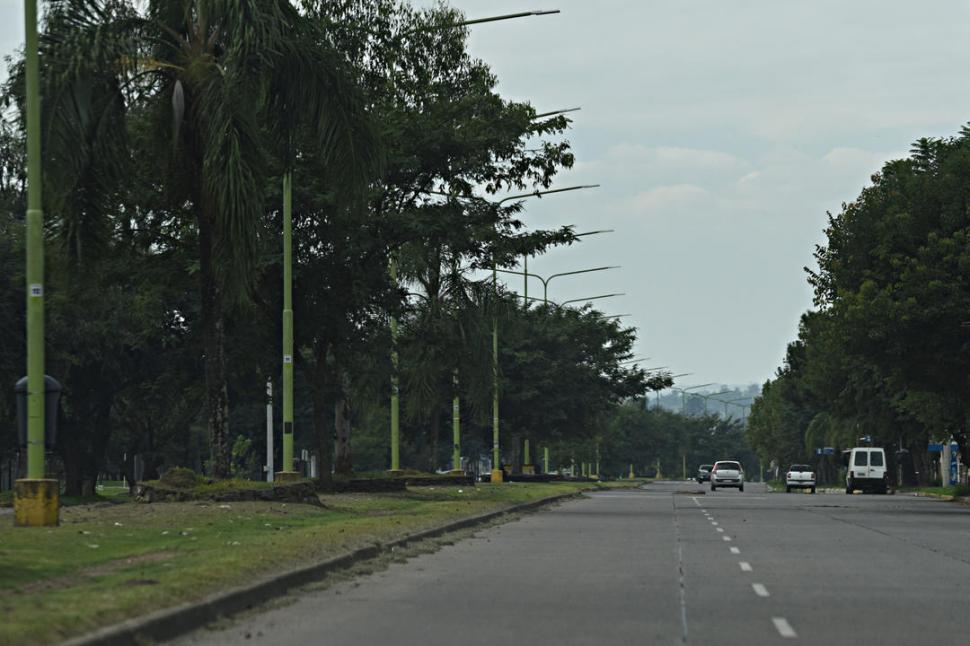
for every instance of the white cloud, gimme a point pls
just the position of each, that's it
(845, 158)
(664, 199)
(680, 156)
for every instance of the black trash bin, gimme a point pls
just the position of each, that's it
(52, 395)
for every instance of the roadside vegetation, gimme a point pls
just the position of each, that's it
(886, 352)
(108, 562)
(165, 152)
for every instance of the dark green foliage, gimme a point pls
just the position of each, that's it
(180, 478)
(660, 441)
(168, 126)
(888, 352)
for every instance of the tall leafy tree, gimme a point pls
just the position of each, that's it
(228, 85)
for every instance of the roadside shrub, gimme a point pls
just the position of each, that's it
(180, 478)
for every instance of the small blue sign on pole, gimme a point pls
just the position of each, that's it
(954, 467)
(828, 450)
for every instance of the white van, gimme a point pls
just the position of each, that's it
(866, 470)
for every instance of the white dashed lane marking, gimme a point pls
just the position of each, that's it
(720, 529)
(735, 550)
(784, 628)
(726, 538)
(745, 566)
(760, 589)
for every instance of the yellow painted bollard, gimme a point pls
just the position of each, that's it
(37, 503)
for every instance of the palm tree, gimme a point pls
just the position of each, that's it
(229, 85)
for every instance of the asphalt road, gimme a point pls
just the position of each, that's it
(670, 564)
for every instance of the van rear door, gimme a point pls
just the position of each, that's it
(860, 463)
(877, 464)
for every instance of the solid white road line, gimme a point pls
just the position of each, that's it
(735, 550)
(784, 628)
(745, 566)
(760, 589)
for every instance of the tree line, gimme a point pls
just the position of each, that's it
(885, 355)
(168, 129)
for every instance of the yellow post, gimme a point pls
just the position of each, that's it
(37, 503)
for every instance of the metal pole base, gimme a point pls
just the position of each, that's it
(529, 469)
(37, 503)
(287, 476)
(498, 476)
(456, 472)
(395, 473)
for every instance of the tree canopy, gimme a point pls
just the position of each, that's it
(886, 355)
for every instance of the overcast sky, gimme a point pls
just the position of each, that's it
(721, 132)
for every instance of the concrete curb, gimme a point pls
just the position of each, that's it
(173, 622)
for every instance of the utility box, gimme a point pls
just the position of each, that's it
(52, 396)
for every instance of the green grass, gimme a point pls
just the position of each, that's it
(106, 563)
(955, 491)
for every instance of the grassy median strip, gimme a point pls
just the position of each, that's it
(108, 562)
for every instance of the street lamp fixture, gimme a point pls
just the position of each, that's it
(591, 298)
(556, 113)
(478, 21)
(545, 281)
(684, 391)
(657, 392)
(613, 316)
(634, 360)
(714, 397)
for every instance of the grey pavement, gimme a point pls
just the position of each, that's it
(671, 563)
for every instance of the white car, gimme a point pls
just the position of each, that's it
(866, 470)
(727, 473)
(800, 476)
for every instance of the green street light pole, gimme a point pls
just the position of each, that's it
(497, 473)
(36, 499)
(683, 393)
(287, 472)
(734, 402)
(713, 396)
(35, 255)
(683, 374)
(545, 300)
(392, 266)
(395, 385)
(683, 411)
(455, 427)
